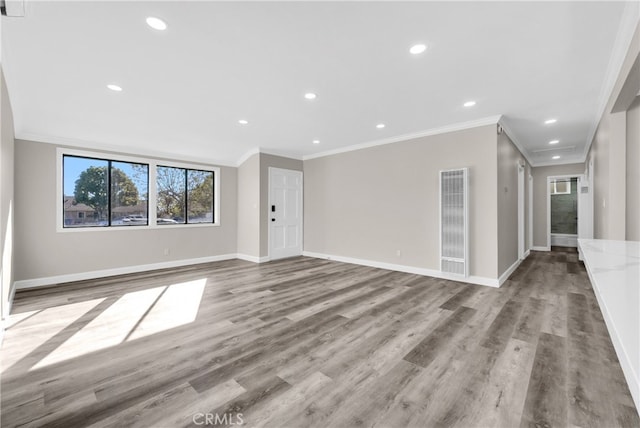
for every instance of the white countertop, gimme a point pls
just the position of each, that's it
(614, 270)
(613, 264)
(615, 248)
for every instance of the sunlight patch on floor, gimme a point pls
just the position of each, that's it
(29, 333)
(16, 318)
(108, 329)
(177, 306)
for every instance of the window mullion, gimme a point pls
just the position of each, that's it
(109, 192)
(186, 196)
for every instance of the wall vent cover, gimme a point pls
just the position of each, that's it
(454, 209)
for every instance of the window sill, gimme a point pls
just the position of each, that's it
(120, 228)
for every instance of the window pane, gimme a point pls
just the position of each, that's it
(129, 194)
(86, 195)
(200, 196)
(171, 183)
(562, 187)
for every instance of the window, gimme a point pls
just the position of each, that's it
(102, 192)
(184, 196)
(118, 192)
(560, 187)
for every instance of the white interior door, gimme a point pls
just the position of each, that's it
(285, 213)
(521, 223)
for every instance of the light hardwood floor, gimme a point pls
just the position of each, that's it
(307, 342)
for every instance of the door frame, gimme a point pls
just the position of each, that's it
(268, 208)
(550, 178)
(521, 213)
(530, 209)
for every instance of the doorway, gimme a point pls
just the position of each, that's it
(521, 216)
(530, 214)
(563, 206)
(285, 213)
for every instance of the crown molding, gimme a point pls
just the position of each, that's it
(282, 154)
(247, 155)
(556, 163)
(555, 149)
(112, 148)
(629, 24)
(492, 120)
(257, 150)
(505, 126)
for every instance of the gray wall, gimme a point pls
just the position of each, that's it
(608, 152)
(267, 161)
(6, 197)
(369, 203)
(616, 179)
(633, 172)
(41, 251)
(540, 175)
(249, 207)
(507, 188)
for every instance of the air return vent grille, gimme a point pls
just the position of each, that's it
(453, 222)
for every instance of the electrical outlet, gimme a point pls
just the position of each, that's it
(166, 251)
(398, 253)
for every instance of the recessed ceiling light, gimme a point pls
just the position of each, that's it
(316, 141)
(156, 23)
(380, 125)
(243, 122)
(469, 104)
(550, 121)
(554, 141)
(418, 49)
(114, 87)
(310, 96)
(555, 157)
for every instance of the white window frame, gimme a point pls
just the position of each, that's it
(555, 187)
(151, 203)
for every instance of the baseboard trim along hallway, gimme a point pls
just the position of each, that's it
(83, 276)
(478, 280)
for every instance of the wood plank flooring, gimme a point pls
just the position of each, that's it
(313, 343)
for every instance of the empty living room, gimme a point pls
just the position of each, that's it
(319, 214)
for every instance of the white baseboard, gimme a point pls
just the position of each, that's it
(253, 259)
(526, 254)
(564, 240)
(507, 273)
(541, 248)
(81, 276)
(632, 378)
(489, 282)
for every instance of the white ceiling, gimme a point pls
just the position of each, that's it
(186, 88)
